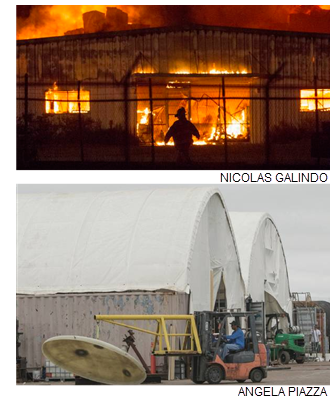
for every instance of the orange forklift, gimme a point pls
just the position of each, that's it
(249, 363)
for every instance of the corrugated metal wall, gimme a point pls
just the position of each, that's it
(43, 317)
(97, 58)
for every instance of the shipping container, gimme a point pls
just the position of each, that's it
(43, 317)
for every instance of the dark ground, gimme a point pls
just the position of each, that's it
(145, 166)
(294, 156)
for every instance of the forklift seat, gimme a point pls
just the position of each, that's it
(242, 356)
(236, 350)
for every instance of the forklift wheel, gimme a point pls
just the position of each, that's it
(256, 375)
(198, 382)
(301, 360)
(284, 357)
(241, 381)
(214, 374)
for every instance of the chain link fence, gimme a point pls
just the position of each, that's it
(244, 125)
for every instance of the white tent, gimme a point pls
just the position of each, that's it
(262, 260)
(163, 239)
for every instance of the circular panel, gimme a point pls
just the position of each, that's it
(94, 359)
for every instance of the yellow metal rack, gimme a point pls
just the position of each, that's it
(191, 344)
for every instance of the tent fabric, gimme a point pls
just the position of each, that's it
(262, 260)
(162, 239)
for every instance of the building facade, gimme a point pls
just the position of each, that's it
(269, 79)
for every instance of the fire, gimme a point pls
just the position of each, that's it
(144, 120)
(307, 102)
(225, 72)
(56, 20)
(214, 72)
(236, 128)
(66, 102)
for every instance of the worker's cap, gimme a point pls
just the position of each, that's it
(234, 323)
(180, 111)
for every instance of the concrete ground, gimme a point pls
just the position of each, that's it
(308, 374)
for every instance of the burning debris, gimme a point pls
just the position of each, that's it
(113, 20)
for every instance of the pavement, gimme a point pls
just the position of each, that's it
(307, 374)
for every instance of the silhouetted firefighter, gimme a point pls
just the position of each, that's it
(182, 131)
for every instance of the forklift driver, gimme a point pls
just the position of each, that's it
(236, 341)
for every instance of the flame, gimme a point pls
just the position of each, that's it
(225, 72)
(213, 72)
(144, 116)
(55, 20)
(307, 102)
(236, 128)
(63, 102)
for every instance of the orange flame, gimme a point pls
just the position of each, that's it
(55, 20)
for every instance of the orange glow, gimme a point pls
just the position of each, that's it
(307, 102)
(55, 20)
(65, 102)
(237, 127)
(213, 72)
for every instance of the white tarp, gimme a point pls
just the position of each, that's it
(262, 260)
(162, 239)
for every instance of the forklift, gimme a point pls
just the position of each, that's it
(287, 346)
(199, 342)
(247, 363)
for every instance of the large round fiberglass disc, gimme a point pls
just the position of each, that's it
(93, 359)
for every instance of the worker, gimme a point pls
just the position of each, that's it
(236, 341)
(182, 131)
(316, 339)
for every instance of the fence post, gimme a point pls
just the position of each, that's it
(80, 125)
(225, 118)
(317, 120)
(267, 135)
(127, 137)
(26, 116)
(151, 123)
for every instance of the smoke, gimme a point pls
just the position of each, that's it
(55, 20)
(250, 16)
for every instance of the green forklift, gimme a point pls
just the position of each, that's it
(285, 346)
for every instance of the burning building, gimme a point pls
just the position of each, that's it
(136, 77)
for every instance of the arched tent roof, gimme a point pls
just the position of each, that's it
(163, 239)
(262, 259)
